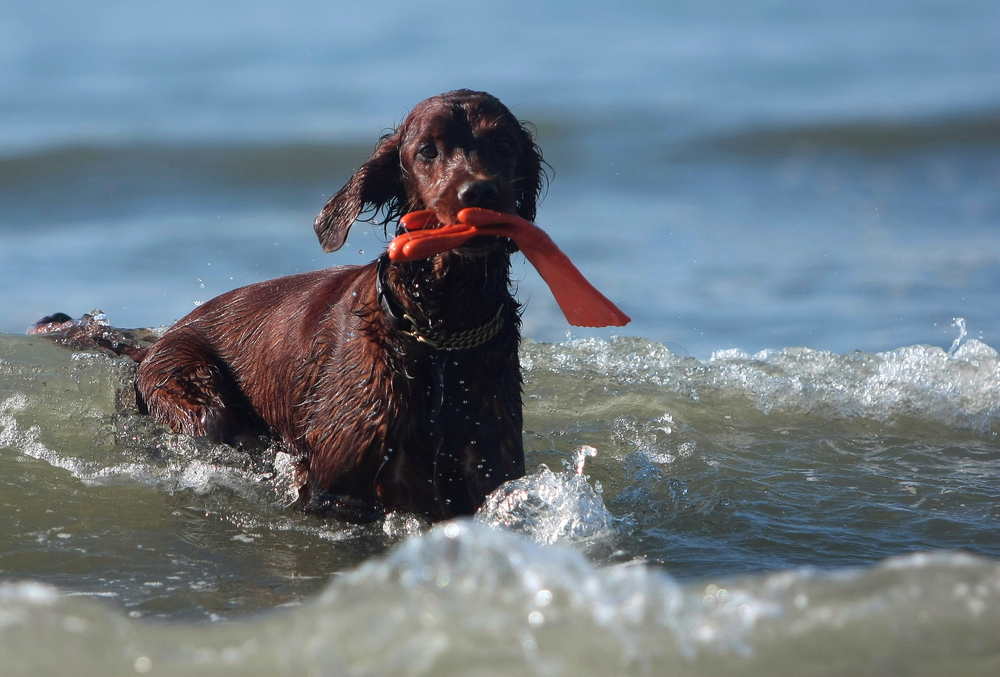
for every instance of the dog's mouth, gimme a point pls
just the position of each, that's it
(427, 221)
(481, 245)
(582, 304)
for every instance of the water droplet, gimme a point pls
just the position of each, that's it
(582, 453)
(959, 323)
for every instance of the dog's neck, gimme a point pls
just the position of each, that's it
(451, 300)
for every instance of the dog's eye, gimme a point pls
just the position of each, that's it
(428, 151)
(503, 146)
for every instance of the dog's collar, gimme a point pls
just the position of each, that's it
(438, 339)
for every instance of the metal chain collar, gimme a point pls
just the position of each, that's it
(461, 340)
(438, 339)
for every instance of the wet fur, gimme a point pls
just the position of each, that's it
(380, 419)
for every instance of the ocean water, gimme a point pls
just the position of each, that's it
(787, 464)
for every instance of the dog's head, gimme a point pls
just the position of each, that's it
(455, 150)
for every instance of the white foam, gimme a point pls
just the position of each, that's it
(550, 507)
(958, 388)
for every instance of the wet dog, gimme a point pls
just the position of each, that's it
(397, 383)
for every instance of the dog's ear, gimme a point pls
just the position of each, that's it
(530, 176)
(376, 186)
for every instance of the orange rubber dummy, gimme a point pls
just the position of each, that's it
(580, 302)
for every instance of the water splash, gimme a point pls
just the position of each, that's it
(962, 333)
(550, 507)
(582, 453)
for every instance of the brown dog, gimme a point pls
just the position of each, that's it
(398, 383)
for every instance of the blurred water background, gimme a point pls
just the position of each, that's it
(796, 438)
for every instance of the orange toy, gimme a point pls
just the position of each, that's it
(580, 302)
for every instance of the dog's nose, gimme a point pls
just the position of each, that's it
(481, 193)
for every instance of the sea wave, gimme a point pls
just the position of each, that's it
(914, 385)
(470, 599)
(95, 180)
(868, 137)
(125, 174)
(790, 511)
